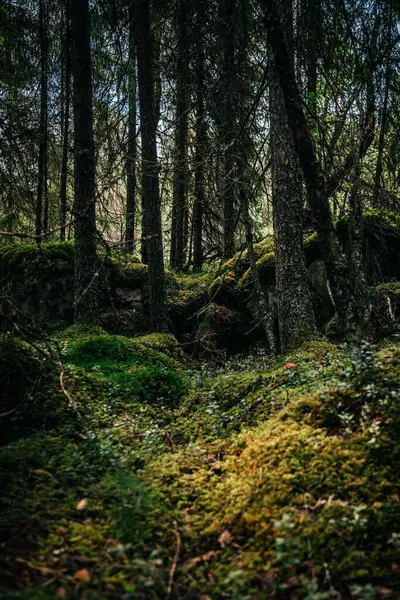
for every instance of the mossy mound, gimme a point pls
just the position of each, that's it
(103, 353)
(268, 478)
(312, 490)
(239, 264)
(39, 279)
(266, 272)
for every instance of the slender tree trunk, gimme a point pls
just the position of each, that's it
(335, 261)
(384, 116)
(312, 17)
(150, 183)
(200, 127)
(179, 205)
(295, 312)
(228, 129)
(41, 198)
(131, 158)
(262, 312)
(156, 54)
(86, 271)
(66, 85)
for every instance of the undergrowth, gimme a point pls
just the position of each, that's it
(257, 478)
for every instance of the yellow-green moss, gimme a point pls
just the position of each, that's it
(392, 288)
(284, 503)
(277, 478)
(265, 268)
(223, 286)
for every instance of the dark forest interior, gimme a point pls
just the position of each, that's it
(199, 299)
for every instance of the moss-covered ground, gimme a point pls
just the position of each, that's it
(140, 473)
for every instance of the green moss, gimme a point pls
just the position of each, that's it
(297, 496)
(269, 474)
(311, 248)
(14, 257)
(266, 271)
(127, 272)
(392, 289)
(223, 287)
(106, 353)
(79, 330)
(239, 264)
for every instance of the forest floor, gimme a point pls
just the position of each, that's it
(140, 473)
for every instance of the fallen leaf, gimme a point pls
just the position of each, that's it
(61, 529)
(83, 575)
(62, 592)
(82, 504)
(289, 365)
(225, 538)
(39, 472)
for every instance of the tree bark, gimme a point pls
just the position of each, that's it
(41, 198)
(335, 261)
(66, 85)
(131, 156)
(379, 183)
(150, 183)
(200, 126)
(228, 128)
(86, 301)
(295, 312)
(179, 207)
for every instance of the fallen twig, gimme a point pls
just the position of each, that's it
(176, 558)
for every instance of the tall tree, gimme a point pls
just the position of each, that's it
(295, 312)
(131, 187)
(179, 205)
(42, 197)
(335, 261)
(228, 128)
(150, 180)
(200, 130)
(86, 293)
(65, 110)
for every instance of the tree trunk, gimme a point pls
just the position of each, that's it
(156, 54)
(150, 184)
(86, 273)
(200, 127)
(312, 17)
(336, 263)
(295, 312)
(66, 85)
(228, 129)
(177, 254)
(379, 183)
(41, 198)
(131, 157)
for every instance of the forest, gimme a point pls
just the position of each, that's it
(199, 299)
